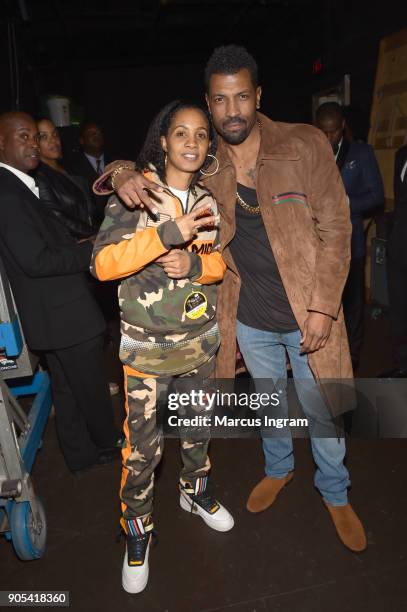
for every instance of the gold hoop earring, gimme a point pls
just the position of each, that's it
(216, 169)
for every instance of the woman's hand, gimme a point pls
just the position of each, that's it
(132, 187)
(189, 224)
(176, 263)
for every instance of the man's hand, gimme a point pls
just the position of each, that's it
(176, 263)
(189, 224)
(317, 328)
(131, 188)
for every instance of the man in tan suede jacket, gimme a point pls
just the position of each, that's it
(285, 237)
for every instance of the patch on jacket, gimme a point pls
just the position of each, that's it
(293, 197)
(203, 249)
(162, 217)
(350, 165)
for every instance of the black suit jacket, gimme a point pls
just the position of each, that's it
(46, 269)
(363, 185)
(79, 165)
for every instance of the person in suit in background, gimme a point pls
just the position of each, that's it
(90, 163)
(59, 316)
(397, 266)
(364, 187)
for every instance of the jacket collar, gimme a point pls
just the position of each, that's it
(23, 177)
(275, 142)
(151, 174)
(343, 153)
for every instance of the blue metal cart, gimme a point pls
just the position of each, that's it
(22, 516)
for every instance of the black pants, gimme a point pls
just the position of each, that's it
(354, 306)
(397, 285)
(83, 409)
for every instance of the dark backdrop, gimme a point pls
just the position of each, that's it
(121, 63)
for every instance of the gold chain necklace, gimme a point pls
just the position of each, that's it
(253, 210)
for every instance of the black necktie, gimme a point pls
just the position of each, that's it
(98, 167)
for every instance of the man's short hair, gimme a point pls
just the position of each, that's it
(10, 116)
(329, 110)
(229, 59)
(86, 124)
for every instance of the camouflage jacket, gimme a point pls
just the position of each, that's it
(168, 325)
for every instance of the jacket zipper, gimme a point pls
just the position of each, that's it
(204, 195)
(188, 210)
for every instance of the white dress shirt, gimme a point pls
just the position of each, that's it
(339, 148)
(403, 172)
(93, 162)
(25, 178)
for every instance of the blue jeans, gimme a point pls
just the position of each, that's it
(265, 357)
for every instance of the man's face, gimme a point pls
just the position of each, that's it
(232, 100)
(19, 143)
(92, 140)
(332, 128)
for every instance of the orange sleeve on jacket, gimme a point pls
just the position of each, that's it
(213, 268)
(129, 256)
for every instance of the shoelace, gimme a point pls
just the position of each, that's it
(205, 500)
(136, 547)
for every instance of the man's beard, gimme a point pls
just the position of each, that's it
(235, 138)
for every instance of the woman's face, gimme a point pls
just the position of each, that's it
(50, 143)
(187, 141)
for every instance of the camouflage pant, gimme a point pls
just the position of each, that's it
(144, 439)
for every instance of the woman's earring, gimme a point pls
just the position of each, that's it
(216, 169)
(165, 159)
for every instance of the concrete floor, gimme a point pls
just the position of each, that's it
(287, 559)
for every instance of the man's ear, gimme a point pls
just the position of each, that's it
(258, 96)
(207, 103)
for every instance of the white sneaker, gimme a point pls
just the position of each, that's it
(206, 506)
(135, 577)
(135, 564)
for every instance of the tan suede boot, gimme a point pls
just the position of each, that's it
(265, 492)
(348, 526)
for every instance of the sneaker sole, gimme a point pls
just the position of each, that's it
(185, 505)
